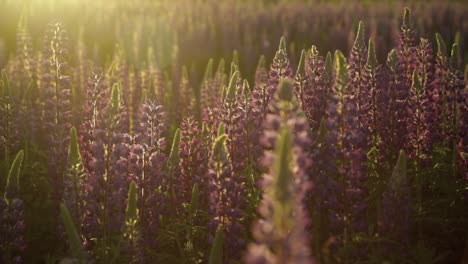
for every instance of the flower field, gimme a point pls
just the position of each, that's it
(233, 132)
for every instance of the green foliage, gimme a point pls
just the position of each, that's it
(13, 181)
(73, 237)
(194, 201)
(285, 90)
(322, 131)
(174, 155)
(74, 156)
(115, 99)
(6, 91)
(454, 55)
(216, 254)
(282, 172)
(131, 212)
(221, 129)
(329, 66)
(399, 173)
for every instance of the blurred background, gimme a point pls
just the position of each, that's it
(175, 33)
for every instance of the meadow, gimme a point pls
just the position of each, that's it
(328, 132)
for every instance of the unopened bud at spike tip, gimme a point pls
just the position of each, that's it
(441, 47)
(301, 66)
(359, 41)
(371, 57)
(282, 45)
(329, 64)
(406, 18)
(231, 91)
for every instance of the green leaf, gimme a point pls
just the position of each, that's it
(194, 199)
(13, 181)
(114, 103)
(399, 174)
(322, 132)
(174, 155)
(454, 55)
(216, 254)
(6, 84)
(329, 65)
(131, 211)
(72, 234)
(282, 166)
(74, 156)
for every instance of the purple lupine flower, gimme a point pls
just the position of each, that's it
(227, 199)
(280, 233)
(279, 69)
(56, 84)
(445, 95)
(233, 116)
(96, 100)
(109, 178)
(12, 230)
(193, 160)
(407, 42)
(430, 95)
(210, 89)
(312, 85)
(148, 165)
(344, 142)
(357, 69)
(392, 101)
